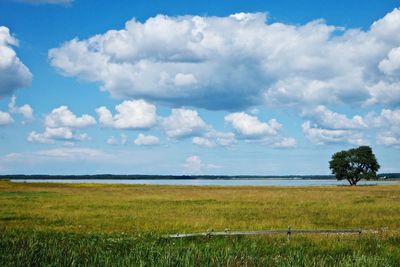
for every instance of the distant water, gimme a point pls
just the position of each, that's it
(211, 182)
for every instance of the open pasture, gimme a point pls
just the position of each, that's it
(87, 224)
(169, 209)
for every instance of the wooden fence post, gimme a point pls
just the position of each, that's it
(289, 233)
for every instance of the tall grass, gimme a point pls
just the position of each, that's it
(171, 209)
(66, 249)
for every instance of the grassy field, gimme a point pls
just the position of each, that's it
(84, 224)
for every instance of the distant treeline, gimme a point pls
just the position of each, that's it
(153, 177)
(389, 175)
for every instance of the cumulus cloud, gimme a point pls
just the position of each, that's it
(201, 141)
(332, 120)
(251, 129)
(388, 138)
(387, 117)
(215, 139)
(238, 61)
(5, 118)
(63, 117)
(321, 136)
(384, 93)
(193, 165)
(112, 141)
(13, 73)
(122, 140)
(326, 126)
(50, 135)
(146, 140)
(285, 142)
(183, 123)
(388, 125)
(60, 126)
(131, 114)
(391, 64)
(25, 110)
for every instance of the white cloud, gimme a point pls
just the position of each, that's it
(214, 138)
(251, 127)
(237, 61)
(5, 118)
(183, 123)
(117, 141)
(285, 142)
(146, 140)
(388, 138)
(332, 120)
(327, 126)
(60, 124)
(13, 73)
(202, 141)
(193, 165)
(388, 125)
(391, 64)
(321, 136)
(56, 134)
(131, 114)
(252, 130)
(25, 110)
(386, 118)
(112, 141)
(63, 117)
(385, 93)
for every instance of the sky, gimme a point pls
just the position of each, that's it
(172, 87)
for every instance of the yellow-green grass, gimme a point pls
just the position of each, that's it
(94, 208)
(121, 225)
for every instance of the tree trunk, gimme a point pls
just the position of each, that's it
(353, 181)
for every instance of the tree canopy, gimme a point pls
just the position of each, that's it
(354, 164)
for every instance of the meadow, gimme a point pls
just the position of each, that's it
(124, 225)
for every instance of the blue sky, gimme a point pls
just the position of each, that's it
(167, 87)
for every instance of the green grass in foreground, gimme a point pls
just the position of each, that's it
(121, 225)
(60, 249)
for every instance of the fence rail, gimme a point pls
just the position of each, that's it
(288, 231)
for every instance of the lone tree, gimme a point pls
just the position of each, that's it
(354, 164)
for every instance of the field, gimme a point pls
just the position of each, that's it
(123, 225)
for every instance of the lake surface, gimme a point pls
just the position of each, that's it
(211, 182)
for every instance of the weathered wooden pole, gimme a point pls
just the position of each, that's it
(289, 233)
